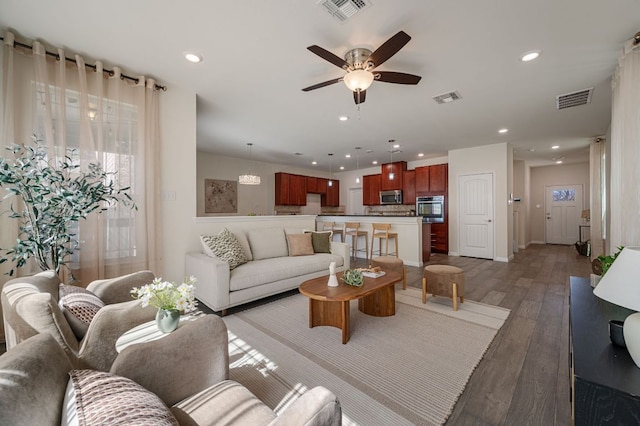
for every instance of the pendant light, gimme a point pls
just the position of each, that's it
(391, 174)
(250, 178)
(357, 148)
(330, 183)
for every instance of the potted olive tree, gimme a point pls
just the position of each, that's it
(47, 198)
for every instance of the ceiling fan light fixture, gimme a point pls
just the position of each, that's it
(358, 80)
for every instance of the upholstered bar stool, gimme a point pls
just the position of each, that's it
(443, 280)
(391, 263)
(353, 229)
(381, 232)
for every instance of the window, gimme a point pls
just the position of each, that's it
(112, 142)
(564, 195)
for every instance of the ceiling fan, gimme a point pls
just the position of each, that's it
(359, 64)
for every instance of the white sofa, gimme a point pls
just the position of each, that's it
(270, 269)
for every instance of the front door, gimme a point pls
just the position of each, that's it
(563, 210)
(476, 215)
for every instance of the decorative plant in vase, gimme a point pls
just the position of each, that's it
(169, 298)
(49, 197)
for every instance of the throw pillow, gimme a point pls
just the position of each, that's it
(267, 243)
(321, 241)
(224, 246)
(79, 306)
(106, 399)
(300, 244)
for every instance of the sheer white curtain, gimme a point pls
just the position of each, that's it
(109, 120)
(596, 177)
(625, 150)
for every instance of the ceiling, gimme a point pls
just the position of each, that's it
(255, 63)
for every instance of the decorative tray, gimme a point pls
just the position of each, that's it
(372, 272)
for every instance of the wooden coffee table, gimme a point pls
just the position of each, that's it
(330, 305)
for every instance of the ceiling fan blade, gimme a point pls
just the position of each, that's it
(328, 56)
(389, 48)
(397, 77)
(323, 84)
(359, 97)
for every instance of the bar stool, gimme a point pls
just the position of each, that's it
(353, 229)
(336, 228)
(381, 232)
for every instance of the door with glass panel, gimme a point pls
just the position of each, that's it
(563, 209)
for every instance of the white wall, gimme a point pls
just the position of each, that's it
(494, 159)
(177, 174)
(569, 174)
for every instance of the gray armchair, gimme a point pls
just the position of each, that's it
(186, 370)
(30, 307)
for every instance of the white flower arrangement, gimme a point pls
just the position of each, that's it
(166, 295)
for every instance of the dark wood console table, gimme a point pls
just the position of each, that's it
(605, 381)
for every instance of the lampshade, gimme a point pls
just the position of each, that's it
(249, 180)
(621, 286)
(358, 80)
(586, 214)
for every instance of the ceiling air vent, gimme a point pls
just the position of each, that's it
(568, 100)
(344, 9)
(445, 98)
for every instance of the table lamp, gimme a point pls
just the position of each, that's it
(621, 286)
(586, 214)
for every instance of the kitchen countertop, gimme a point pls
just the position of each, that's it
(367, 215)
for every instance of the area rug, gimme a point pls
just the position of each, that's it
(406, 369)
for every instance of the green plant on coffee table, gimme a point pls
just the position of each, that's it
(353, 277)
(49, 197)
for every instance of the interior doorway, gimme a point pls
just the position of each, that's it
(476, 215)
(563, 205)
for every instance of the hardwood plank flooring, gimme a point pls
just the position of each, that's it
(523, 378)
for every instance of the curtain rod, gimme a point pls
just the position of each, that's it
(93, 67)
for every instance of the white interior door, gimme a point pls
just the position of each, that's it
(563, 210)
(355, 206)
(476, 215)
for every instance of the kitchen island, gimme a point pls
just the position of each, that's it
(408, 228)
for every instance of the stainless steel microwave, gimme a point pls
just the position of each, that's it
(430, 208)
(391, 197)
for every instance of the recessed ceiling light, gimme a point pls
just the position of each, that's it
(532, 150)
(530, 55)
(420, 155)
(559, 162)
(555, 147)
(396, 146)
(503, 130)
(374, 162)
(193, 57)
(314, 162)
(343, 118)
(341, 167)
(347, 156)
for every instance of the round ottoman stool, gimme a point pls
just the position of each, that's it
(391, 263)
(443, 280)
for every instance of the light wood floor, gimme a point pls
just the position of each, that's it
(523, 378)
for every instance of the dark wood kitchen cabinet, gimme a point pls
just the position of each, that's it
(371, 190)
(409, 187)
(432, 180)
(332, 196)
(440, 238)
(291, 190)
(316, 185)
(397, 168)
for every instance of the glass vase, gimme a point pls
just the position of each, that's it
(167, 320)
